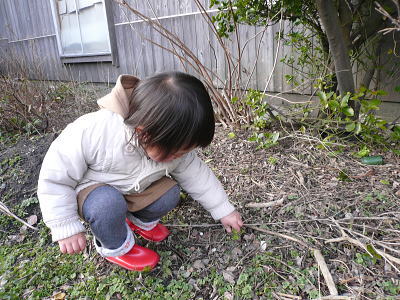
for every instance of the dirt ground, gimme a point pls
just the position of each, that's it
(295, 197)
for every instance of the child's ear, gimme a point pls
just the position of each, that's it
(139, 129)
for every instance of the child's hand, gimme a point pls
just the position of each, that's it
(73, 244)
(232, 221)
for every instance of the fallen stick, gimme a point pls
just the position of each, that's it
(337, 298)
(264, 204)
(5, 209)
(288, 237)
(288, 296)
(325, 272)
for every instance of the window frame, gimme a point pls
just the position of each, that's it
(111, 56)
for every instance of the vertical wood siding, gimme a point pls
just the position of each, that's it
(28, 42)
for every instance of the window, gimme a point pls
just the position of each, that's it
(82, 29)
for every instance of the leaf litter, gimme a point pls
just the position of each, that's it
(332, 203)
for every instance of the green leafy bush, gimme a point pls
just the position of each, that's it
(338, 116)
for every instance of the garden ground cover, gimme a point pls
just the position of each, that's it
(320, 196)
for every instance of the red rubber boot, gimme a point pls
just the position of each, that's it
(157, 234)
(137, 259)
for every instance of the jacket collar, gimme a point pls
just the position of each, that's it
(118, 100)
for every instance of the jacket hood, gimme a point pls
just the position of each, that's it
(118, 100)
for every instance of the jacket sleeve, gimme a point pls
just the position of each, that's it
(63, 167)
(196, 178)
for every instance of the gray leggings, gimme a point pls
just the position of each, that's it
(105, 209)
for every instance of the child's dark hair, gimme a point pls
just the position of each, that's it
(173, 110)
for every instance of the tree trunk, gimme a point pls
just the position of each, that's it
(340, 53)
(346, 20)
(372, 66)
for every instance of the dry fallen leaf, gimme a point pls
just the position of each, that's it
(228, 296)
(32, 220)
(263, 246)
(228, 276)
(16, 237)
(59, 296)
(23, 229)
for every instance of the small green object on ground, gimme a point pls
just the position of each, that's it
(372, 160)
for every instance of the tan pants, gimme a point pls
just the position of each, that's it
(137, 201)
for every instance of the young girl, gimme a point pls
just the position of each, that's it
(119, 168)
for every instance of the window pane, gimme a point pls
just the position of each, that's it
(94, 31)
(83, 27)
(69, 27)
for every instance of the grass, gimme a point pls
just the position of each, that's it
(35, 269)
(209, 264)
(33, 272)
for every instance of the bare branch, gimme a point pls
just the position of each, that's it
(395, 21)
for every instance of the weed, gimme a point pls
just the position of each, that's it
(342, 176)
(272, 160)
(384, 181)
(10, 162)
(292, 197)
(244, 170)
(236, 235)
(390, 287)
(364, 151)
(365, 259)
(231, 135)
(21, 209)
(261, 116)
(265, 140)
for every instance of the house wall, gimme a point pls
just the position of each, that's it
(28, 44)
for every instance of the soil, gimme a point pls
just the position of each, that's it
(21, 181)
(323, 196)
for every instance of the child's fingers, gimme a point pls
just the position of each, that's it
(228, 228)
(236, 227)
(239, 219)
(76, 247)
(82, 244)
(72, 245)
(63, 249)
(70, 249)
